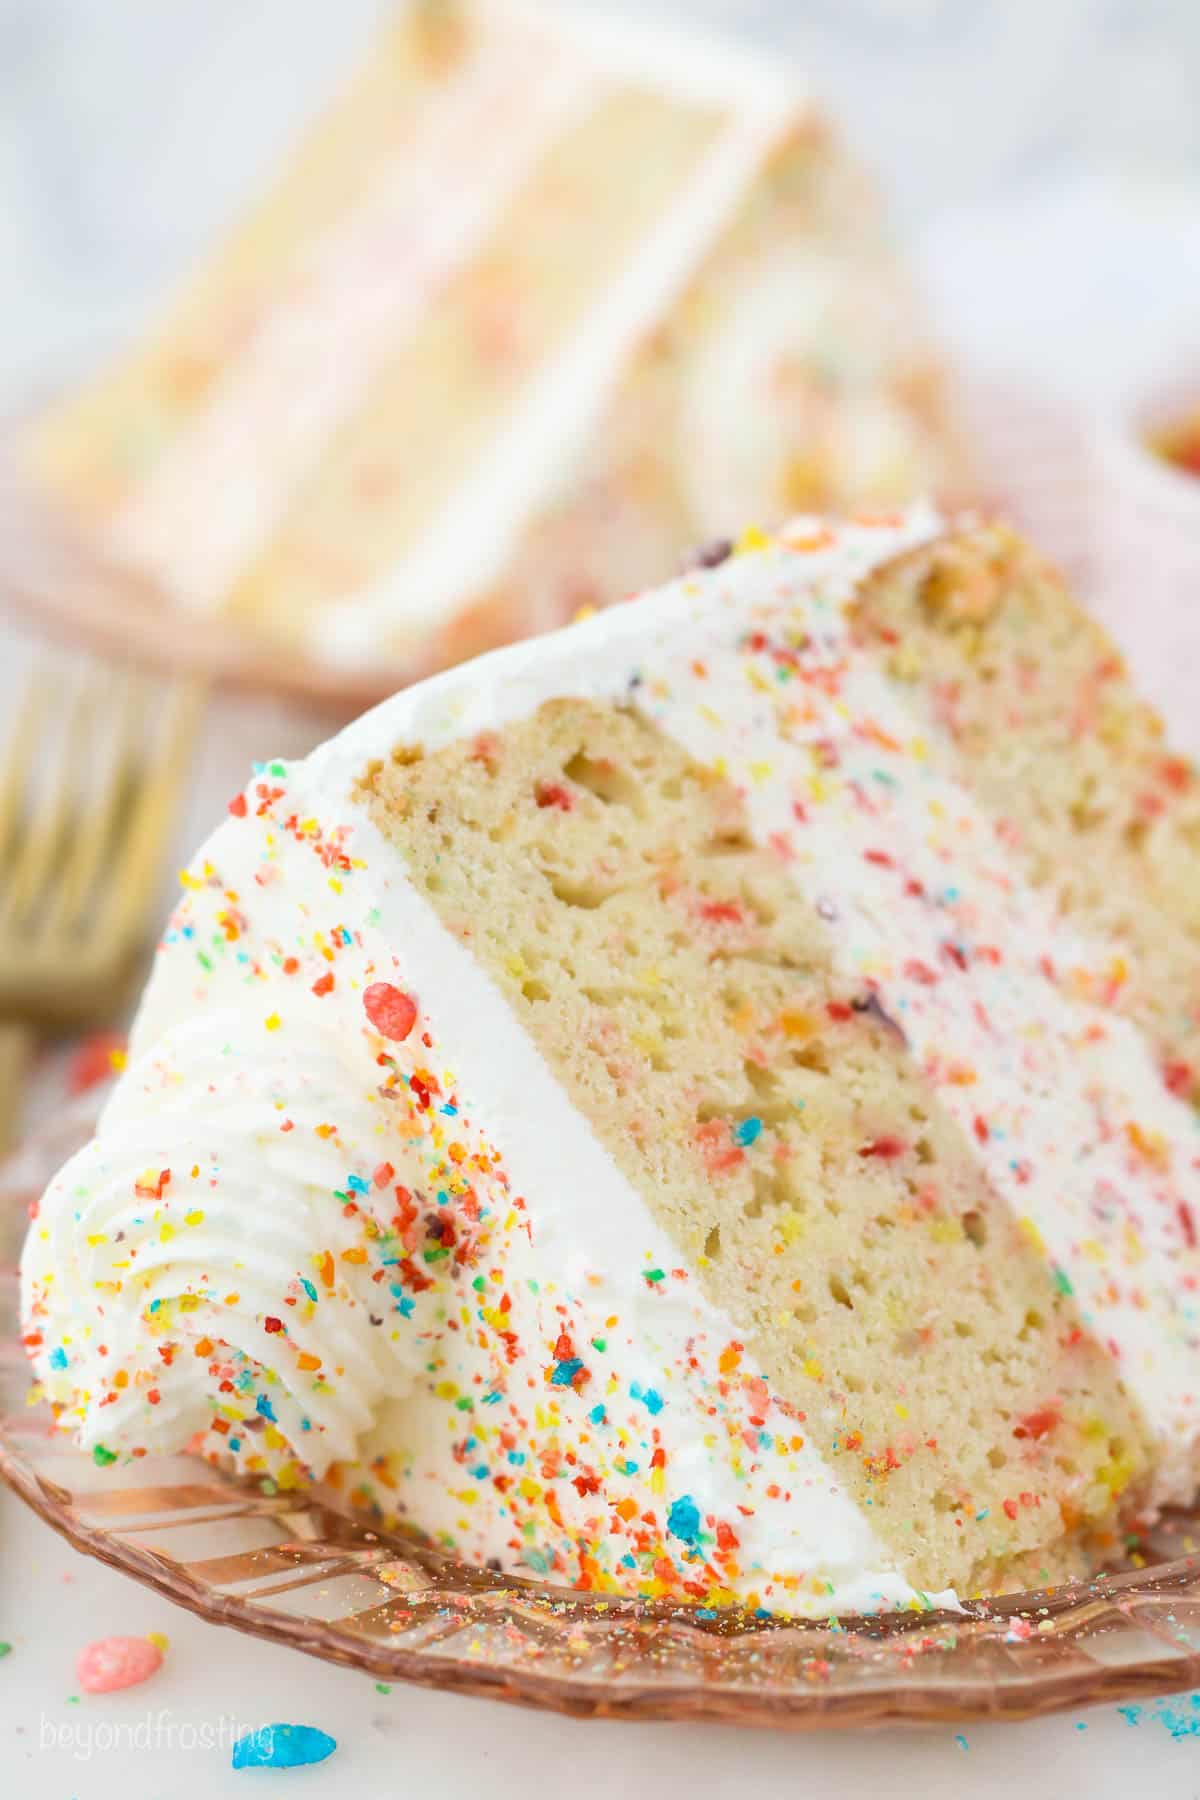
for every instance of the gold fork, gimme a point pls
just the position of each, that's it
(89, 790)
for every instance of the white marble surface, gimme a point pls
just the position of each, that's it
(411, 1745)
(1043, 158)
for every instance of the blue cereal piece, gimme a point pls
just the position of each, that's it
(683, 1520)
(282, 1747)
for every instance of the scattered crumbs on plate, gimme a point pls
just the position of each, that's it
(1179, 1715)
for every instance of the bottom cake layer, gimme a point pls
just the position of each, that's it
(682, 988)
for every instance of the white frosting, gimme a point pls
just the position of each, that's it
(249, 1221)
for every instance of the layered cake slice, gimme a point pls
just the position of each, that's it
(699, 1105)
(454, 375)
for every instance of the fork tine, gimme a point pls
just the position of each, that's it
(15, 1048)
(97, 825)
(14, 779)
(34, 861)
(136, 861)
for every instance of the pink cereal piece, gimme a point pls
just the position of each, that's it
(116, 1662)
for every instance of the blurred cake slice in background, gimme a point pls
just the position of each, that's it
(541, 301)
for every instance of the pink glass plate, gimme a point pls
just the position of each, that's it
(287, 1567)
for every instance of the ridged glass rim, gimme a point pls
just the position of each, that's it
(272, 1564)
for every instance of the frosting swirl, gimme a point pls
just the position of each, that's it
(217, 1184)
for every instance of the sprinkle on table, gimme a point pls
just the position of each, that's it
(117, 1662)
(282, 1747)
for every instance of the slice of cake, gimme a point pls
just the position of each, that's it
(456, 374)
(699, 1105)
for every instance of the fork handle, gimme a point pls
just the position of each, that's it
(16, 1053)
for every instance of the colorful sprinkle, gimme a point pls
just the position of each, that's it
(117, 1662)
(392, 1012)
(282, 1747)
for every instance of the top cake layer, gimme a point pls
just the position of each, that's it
(627, 1346)
(539, 304)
